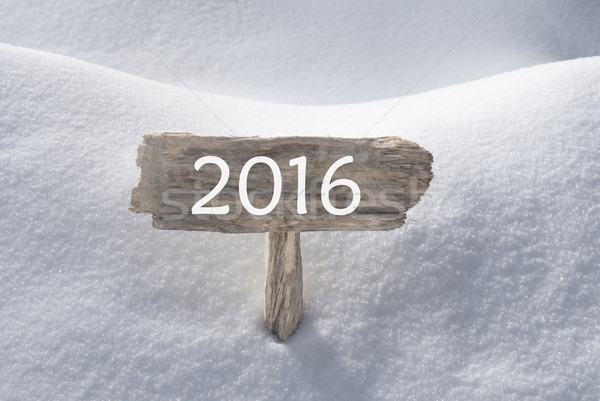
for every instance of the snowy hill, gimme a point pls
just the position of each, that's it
(490, 290)
(308, 52)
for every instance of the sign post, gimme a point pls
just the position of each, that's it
(280, 186)
(283, 283)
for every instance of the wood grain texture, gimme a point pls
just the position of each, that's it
(283, 283)
(392, 174)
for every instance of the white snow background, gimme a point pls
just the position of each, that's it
(490, 291)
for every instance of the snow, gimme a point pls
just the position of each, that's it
(491, 290)
(308, 52)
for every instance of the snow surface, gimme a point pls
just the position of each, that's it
(491, 290)
(334, 51)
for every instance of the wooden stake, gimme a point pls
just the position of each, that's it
(283, 283)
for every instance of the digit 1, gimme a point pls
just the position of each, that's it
(301, 163)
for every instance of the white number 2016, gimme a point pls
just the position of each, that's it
(326, 187)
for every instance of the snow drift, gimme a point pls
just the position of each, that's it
(490, 290)
(308, 52)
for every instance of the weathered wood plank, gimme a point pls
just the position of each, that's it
(283, 283)
(391, 173)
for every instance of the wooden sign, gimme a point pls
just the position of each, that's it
(281, 186)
